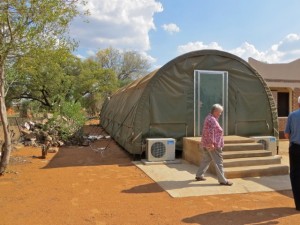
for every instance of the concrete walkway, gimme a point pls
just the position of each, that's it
(179, 181)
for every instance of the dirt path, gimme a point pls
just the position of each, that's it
(79, 186)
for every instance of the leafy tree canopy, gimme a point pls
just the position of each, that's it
(128, 65)
(53, 76)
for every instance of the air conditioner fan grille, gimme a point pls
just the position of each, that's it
(158, 149)
(264, 143)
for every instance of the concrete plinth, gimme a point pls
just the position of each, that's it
(191, 150)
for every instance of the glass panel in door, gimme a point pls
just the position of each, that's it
(210, 87)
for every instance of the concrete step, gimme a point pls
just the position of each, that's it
(256, 171)
(253, 161)
(246, 154)
(243, 146)
(237, 139)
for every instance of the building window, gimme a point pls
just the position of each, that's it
(283, 104)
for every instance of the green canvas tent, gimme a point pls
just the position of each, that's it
(172, 102)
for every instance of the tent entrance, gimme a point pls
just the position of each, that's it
(210, 87)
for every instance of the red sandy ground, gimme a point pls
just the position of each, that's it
(78, 186)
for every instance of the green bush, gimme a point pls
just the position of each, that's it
(68, 119)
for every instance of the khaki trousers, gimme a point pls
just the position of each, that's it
(216, 157)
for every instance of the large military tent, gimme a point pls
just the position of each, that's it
(172, 102)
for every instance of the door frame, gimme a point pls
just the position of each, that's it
(197, 104)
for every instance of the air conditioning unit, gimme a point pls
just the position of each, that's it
(269, 143)
(160, 149)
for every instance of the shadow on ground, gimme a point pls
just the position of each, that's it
(266, 216)
(145, 188)
(84, 156)
(111, 153)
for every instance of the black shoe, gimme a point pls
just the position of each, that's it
(228, 183)
(200, 178)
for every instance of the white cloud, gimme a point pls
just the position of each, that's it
(292, 37)
(288, 49)
(90, 53)
(80, 56)
(149, 58)
(123, 24)
(87, 54)
(171, 28)
(247, 50)
(193, 46)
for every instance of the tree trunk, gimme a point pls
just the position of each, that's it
(3, 115)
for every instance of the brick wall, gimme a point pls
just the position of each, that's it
(296, 94)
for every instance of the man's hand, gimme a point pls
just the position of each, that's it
(287, 135)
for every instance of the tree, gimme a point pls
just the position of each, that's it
(126, 64)
(103, 81)
(94, 84)
(25, 26)
(133, 66)
(109, 58)
(46, 76)
(51, 77)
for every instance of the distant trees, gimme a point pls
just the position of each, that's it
(94, 84)
(53, 76)
(128, 65)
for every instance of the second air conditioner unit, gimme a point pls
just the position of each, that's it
(269, 143)
(160, 149)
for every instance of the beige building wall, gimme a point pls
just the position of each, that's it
(281, 78)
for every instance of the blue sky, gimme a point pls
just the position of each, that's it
(267, 30)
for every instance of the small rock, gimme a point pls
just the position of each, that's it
(53, 149)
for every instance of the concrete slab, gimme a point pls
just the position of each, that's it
(179, 181)
(146, 162)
